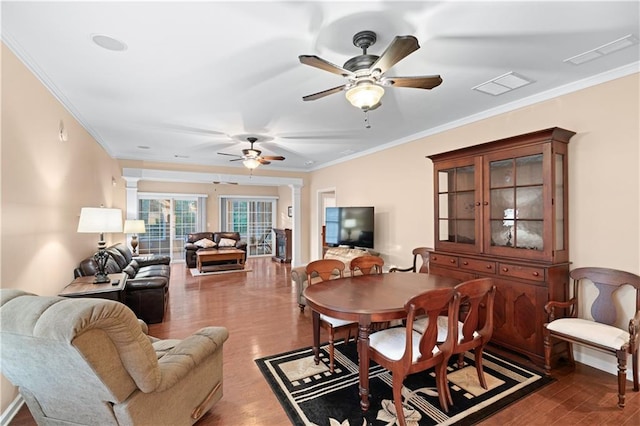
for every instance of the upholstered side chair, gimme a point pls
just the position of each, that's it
(90, 362)
(326, 270)
(604, 332)
(420, 262)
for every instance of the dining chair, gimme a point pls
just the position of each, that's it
(404, 351)
(476, 327)
(327, 269)
(367, 265)
(604, 332)
(423, 254)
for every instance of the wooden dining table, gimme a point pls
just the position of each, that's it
(367, 299)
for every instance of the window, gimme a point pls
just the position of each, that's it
(253, 219)
(168, 219)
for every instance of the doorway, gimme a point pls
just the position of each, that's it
(326, 198)
(167, 223)
(253, 219)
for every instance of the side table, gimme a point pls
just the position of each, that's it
(84, 287)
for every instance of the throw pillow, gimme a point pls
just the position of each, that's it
(205, 243)
(227, 242)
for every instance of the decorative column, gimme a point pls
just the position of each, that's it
(296, 247)
(132, 197)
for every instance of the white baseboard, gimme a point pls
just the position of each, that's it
(11, 411)
(595, 359)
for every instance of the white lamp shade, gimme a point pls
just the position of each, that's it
(99, 220)
(134, 226)
(364, 95)
(251, 163)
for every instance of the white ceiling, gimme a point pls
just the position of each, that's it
(198, 77)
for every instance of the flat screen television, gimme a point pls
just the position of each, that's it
(349, 226)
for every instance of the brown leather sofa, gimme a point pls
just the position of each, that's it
(191, 249)
(147, 289)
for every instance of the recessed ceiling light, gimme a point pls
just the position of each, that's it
(181, 156)
(502, 84)
(108, 43)
(143, 147)
(309, 162)
(605, 49)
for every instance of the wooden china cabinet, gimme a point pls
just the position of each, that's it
(501, 211)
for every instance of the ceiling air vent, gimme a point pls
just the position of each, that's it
(502, 84)
(605, 49)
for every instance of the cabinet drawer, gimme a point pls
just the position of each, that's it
(443, 259)
(478, 265)
(523, 272)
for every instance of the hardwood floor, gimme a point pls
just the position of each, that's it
(260, 310)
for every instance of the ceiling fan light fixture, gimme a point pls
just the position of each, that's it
(364, 95)
(251, 163)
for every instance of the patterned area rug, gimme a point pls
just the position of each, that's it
(311, 395)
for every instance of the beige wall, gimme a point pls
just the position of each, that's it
(45, 183)
(603, 174)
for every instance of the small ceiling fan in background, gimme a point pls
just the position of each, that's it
(365, 73)
(251, 157)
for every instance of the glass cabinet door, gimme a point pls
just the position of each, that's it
(516, 203)
(458, 206)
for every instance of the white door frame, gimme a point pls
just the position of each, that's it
(323, 196)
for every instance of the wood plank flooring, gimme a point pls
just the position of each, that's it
(260, 310)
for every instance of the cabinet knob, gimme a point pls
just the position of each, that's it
(535, 274)
(452, 261)
(434, 257)
(465, 263)
(488, 266)
(486, 203)
(505, 269)
(478, 203)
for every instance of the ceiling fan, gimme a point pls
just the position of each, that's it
(365, 73)
(251, 157)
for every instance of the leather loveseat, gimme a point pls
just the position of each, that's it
(147, 289)
(191, 247)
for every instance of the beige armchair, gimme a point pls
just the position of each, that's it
(90, 362)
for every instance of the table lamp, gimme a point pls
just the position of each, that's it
(135, 227)
(100, 220)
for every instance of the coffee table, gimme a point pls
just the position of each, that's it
(214, 255)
